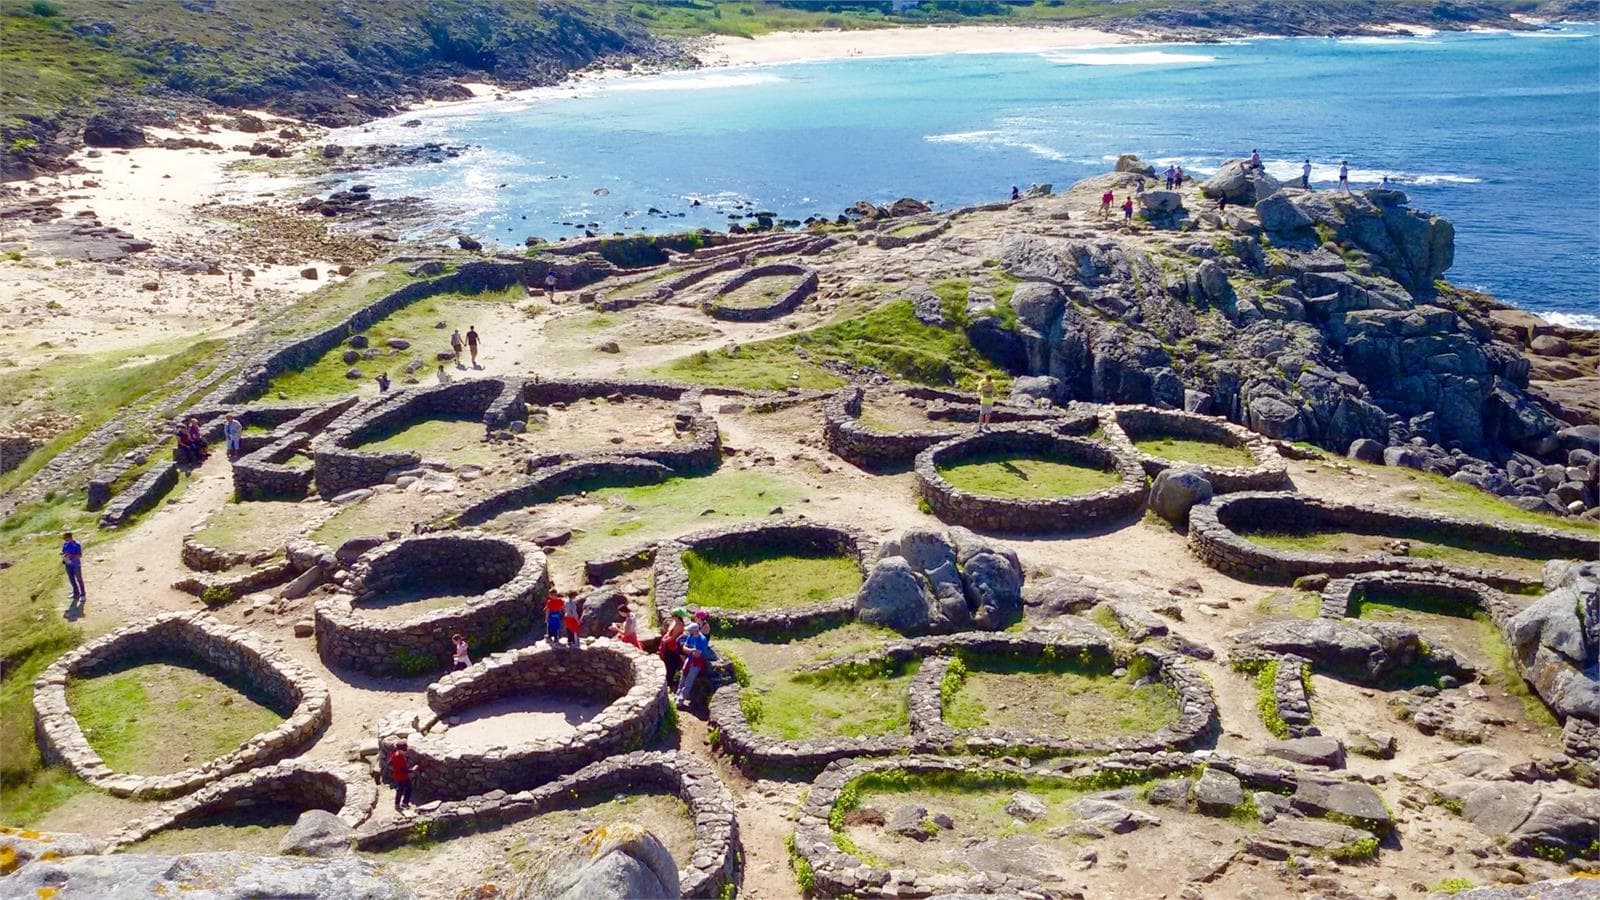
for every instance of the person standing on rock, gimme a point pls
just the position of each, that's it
(72, 560)
(1015, 194)
(1170, 173)
(1105, 203)
(1127, 210)
(472, 344)
(550, 285)
(233, 432)
(572, 619)
(985, 401)
(383, 382)
(400, 772)
(456, 345)
(1177, 178)
(1344, 176)
(1222, 203)
(1305, 175)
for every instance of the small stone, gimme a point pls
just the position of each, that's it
(1026, 806)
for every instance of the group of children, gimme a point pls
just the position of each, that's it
(685, 646)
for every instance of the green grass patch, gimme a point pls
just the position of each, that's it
(889, 339)
(459, 441)
(854, 703)
(1060, 698)
(414, 323)
(145, 718)
(757, 292)
(1025, 477)
(1302, 604)
(1441, 548)
(257, 828)
(1439, 493)
(768, 577)
(1451, 886)
(1267, 700)
(1202, 453)
(250, 526)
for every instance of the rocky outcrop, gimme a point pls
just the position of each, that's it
(620, 861)
(1556, 641)
(1240, 182)
(926, 581)
(203, 876)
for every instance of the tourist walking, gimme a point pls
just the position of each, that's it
(1127, 211)
(1105, 203)
(233, 432)
(668, 649)
(383, 382)
(626, 628)
(1222, 203)
(1344, 176)
(553, 608)
(695, 649)
(1170, 175)
(1305, 175)
(400, 771)
(472, 344)
(72, 560)
(456, 345)
(1177, 177)
(550, 285)
(985, 401)
(459, 659)
(1015, 194)
(572, 619)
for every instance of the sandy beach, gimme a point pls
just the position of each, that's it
(797, 46)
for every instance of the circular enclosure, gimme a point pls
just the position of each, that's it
(627, 687)
(189, 636)
(1278, 537)
(343, 790)
(426, 588)
(769, 577)
(1231, 457)
(763, 293)
(1097, 484)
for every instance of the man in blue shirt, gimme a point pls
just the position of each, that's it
(694, 647)
(72, 558)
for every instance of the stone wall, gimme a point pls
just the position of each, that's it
(634, 682)
(714, 863)
(856, 443)
(264, 471)
(1471, 595)
(510, 572)
(887, 241)
(197, 636)
(607, 301)
(1125, 424)
(959, 507)
(552, 482)
(671, 579)
(782, 306)
(340, 467)
(1212, 538)
(346, 791)
(143, 494)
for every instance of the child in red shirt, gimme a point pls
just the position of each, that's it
(400, 769)
(553, 607)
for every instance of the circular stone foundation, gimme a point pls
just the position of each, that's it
(799, 536)
(505, 580)
(1124, 425)
(1064, 513)
(346, 791)
(793, 284)
(1213, 538)
(628, 686)
(194, 635)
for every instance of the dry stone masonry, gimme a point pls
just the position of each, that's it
(1125, 424)
(191, 635)
(804, 285)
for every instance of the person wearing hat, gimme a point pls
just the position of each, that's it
(670, 654)
(694, 647)
(400, 769)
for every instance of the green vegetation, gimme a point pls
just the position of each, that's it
(1022, 476)
(667, 817)
(251, 526)
(1267, 700)
(1451, 886)
(1303, 604)
(1060, 698)
(459, 441)
(1203, 453)
(145, 719)
(849, 702)
(414, 323)
(1436, 492)
(758, 292)
(94, 387)
(50, 68)
(1360, 850)
(767, 577)
(1443, 548)
(889, 339)
(256, 828)
(804, 877)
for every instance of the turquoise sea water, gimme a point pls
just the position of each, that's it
(1499, 132)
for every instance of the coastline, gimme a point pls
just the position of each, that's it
(780, 47)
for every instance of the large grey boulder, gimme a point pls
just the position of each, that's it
(1347, 801)
(1218, 793)
(1285, 836)
(621, 861)
(1160, 203)
(1240, 183)
(1554, 642)
(1363, 651)
(1280, 215)
(925, 580)
(1130, 162)
(1311, 751)
(1175, 491)
(317, 833)
(1365, 450)
(1111, 816)
(203, 876)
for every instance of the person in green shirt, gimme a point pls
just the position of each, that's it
(985, 402)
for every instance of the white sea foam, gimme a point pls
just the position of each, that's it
(1137, 58)
(998, 138)
(1585, 321)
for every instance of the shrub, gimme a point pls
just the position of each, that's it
(1267, 700)
(217, 595)
(413, 662)
(1451, 886)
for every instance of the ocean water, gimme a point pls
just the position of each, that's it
(1499, 132)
